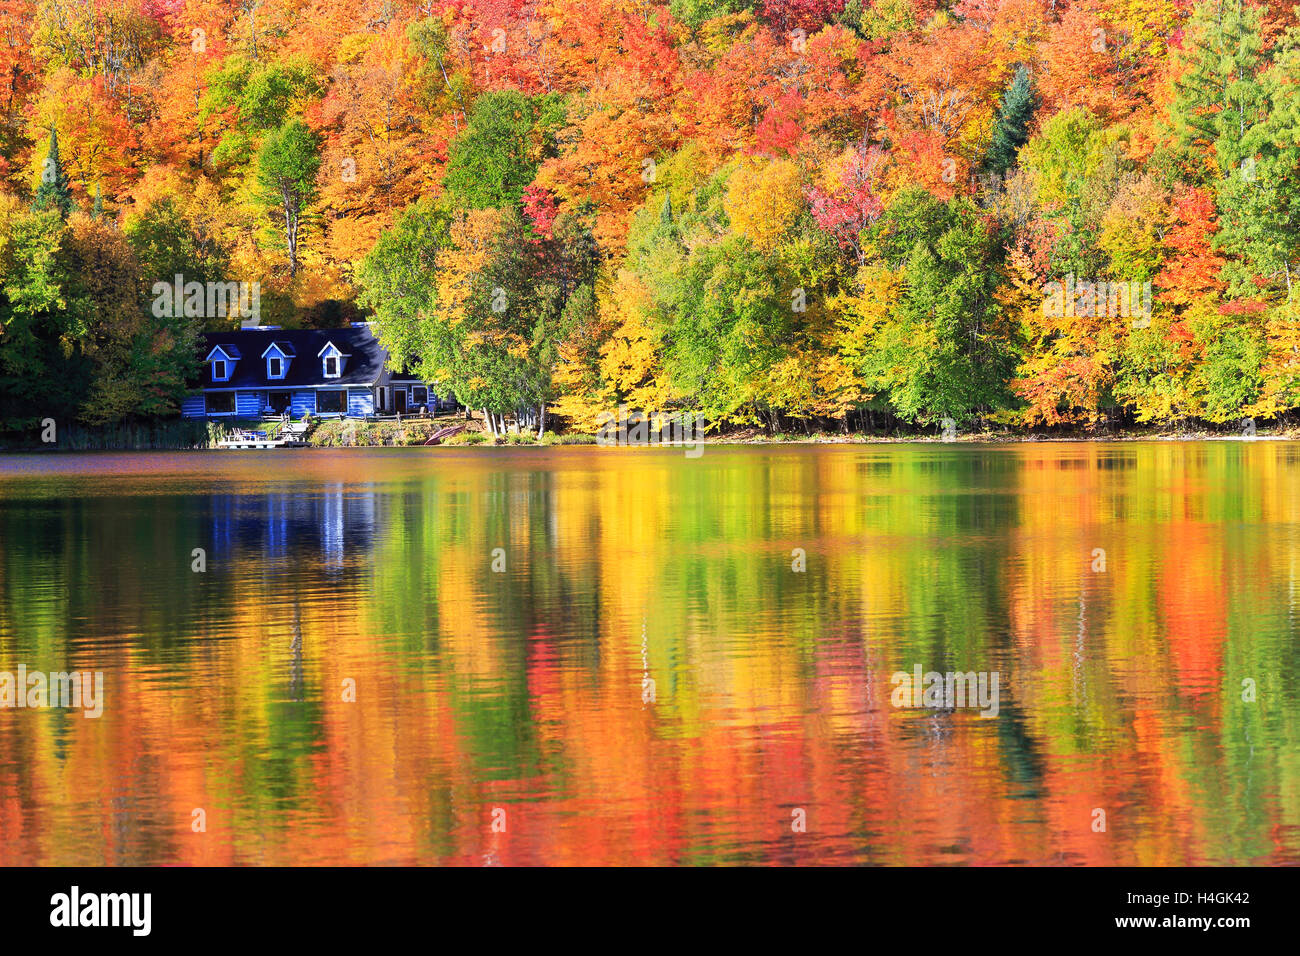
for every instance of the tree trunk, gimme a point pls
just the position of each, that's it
(541, 417)
(290, 227)
(488, 423)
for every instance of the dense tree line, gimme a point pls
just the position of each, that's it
(1014, 212)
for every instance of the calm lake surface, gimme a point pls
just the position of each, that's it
(648, 680)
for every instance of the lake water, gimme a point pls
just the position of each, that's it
(645, 677)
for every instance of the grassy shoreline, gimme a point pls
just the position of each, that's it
(412, 433)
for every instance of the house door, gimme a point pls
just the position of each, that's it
(280, 402)
(399, 400)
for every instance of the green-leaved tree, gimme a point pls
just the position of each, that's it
(287, 165)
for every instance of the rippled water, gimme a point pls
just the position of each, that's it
(648, 679)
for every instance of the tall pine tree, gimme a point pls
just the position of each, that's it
(1014, 116)
(1259, 193)
(1218, 96)
(53, 192)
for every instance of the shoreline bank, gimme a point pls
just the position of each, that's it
(473, 439)
(413, 432)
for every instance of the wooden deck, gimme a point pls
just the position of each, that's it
(292, 435)
(228, 443)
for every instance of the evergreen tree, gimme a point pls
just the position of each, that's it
(53, 191)
(1258, 198)
(1014, 116)
(1218, 97)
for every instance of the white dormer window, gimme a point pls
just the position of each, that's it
(278, 355)
(222, 361)
(331, 357)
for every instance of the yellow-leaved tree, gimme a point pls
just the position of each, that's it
(763, 200)
(1281, 389)
(1067, 363)
(618, 366)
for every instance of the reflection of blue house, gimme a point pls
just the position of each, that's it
(296, 529)
(254, 372)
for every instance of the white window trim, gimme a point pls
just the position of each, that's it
(284, 367)
(225, 367)
(338, 366)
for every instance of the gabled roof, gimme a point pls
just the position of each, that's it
(228, 350)
(285, 347)
(357, 343)
(330, 345)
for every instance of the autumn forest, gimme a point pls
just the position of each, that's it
(1018, 214)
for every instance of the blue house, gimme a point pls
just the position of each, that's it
(263, 371)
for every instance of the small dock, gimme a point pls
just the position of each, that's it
(292, 435)
(259, 443)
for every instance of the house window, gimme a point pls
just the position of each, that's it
(220, 403)
(273, 366)
(419, 395)
(219, 371)
(332, 367)
(331, 402)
